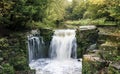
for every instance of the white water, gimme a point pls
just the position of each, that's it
(63, 45)
(35, 47)
(62, 55)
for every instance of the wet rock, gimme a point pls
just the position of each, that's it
(80, 59)
(92, 47)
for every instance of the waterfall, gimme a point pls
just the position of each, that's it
(63, 45)
(35, 47)
(62, 53)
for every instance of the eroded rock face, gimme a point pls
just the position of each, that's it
(87, 37)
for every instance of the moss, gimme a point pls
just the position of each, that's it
(47, 36)
(112, 70)
(92, 67)
(7, 69)
(109, 52)
(85, 38)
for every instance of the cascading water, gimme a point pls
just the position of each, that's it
(62, 55)
(35, 46)
(63, 45)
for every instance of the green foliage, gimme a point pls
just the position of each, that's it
(37, 25)
(114, 8)
(3, 42)
(112, 70)
(118, 58)
(56, 10)
(79, 10)
(5, 9)
(20, 14)
(90, 67)
(110, 55)
(13, 53)
(86, 68)
(76, 10)
(20, 63)
(7, 69)
(95, 9)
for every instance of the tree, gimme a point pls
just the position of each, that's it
(79, 9)
(76, 10)
(113, 7)
(5, 10)
(96, 9)
(15, 14)
(56, 10)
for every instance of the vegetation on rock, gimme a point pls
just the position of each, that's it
(17, 17)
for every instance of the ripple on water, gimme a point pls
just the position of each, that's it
(47, 66)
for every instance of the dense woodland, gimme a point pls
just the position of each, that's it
(18, 16)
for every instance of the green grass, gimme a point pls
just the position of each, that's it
(100, 21)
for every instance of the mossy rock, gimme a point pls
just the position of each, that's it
(112, 70)
(25, 72)
(93, 67)
(85, 38)
(47, 37)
